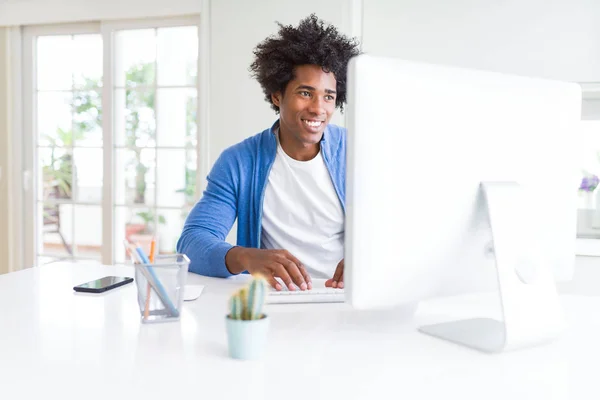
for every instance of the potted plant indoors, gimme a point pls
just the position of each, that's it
(246, 324)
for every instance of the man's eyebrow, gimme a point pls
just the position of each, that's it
(306, 87)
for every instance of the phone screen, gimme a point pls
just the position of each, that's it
(103, 282)
(108, 282)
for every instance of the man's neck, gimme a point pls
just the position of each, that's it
(298, 151)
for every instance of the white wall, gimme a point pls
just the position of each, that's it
(558, 39)
(27, 12)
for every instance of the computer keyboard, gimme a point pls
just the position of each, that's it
(318, 294)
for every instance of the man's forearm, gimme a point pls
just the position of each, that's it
(234, 260)
(206, 253)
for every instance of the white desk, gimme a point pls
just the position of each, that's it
(54, 342)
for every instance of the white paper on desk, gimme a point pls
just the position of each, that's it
(192, 292)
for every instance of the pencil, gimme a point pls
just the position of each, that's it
(147, 305)
(152, 249)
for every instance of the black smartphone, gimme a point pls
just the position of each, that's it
(103, 284)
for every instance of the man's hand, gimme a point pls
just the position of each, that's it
(270, 264)
(338, 277)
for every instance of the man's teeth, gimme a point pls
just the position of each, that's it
(313, 124)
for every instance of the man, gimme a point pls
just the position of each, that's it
(286, 185)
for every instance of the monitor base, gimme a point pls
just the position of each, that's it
(531, 312)
(483, 334)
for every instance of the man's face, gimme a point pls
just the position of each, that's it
(306, 106)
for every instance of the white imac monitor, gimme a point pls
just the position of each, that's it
(458, 181)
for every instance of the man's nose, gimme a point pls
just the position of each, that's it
(317, 105)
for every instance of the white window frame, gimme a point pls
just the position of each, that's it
(18, 226)
(28, 79)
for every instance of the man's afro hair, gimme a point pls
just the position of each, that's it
(312, 42)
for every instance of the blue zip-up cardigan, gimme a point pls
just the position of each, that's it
(236, 187)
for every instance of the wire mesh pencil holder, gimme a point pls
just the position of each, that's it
(160, 287)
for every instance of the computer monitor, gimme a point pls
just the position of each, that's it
(461, 180)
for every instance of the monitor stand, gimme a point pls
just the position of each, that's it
(529, 301)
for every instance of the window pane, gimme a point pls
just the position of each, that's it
(588, 223)
(87, 118)
(134, 224)
(135, 57)
(590, 148)
(55, 62)
(54, 119)
(135, 122)
(176, 177)
(87, 61)
(55, 237)
(88, 231)
(89, 166)
(176, 111)
(56, 170)
(177, 56)
(134, 176)
(169, 230)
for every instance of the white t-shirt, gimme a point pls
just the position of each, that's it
(302, 213)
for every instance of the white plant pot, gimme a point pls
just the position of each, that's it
(587, 200)
(247, 339)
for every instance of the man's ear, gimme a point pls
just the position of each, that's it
(276, 98)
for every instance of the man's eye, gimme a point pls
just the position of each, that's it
(330, 97)
(305, 93)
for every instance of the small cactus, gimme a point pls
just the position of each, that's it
(256, 298)
(247, 303)
(243, 295)
(236, 307)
